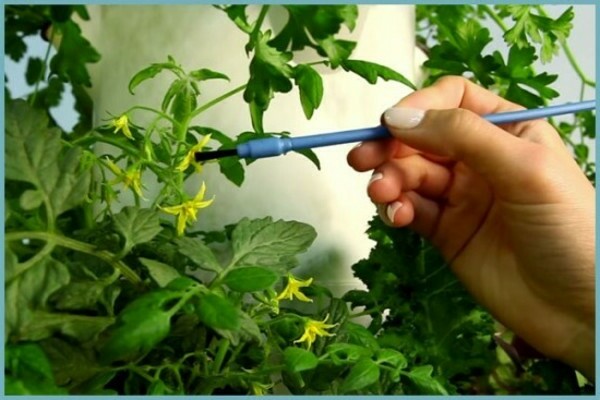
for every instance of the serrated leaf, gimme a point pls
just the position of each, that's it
(34, 72)
(250, 279)
(298, 360)
(34, 154)
(269, 73)
(199, 253)
(421, 377)
(27, 295)
(137, 225)
(336, 50)
(371, 71)
(364, 373)
(149, 73)
(314, 21)
(268, 243)
(310, 85)
(162, 274)
(73, 54)
(205, 74)
(218, 312)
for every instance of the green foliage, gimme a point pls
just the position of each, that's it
(456, 47)
(107, 298)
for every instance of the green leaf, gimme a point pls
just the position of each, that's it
(314, 21)
(31, 199)
(268, 243)
(364, 373)
(199, 253)
(162, 274)
(205, 74)
(141, 325)
(218, 312)
(336, 50)
(233, 169)
(137, 225)
(308, 153)
(371, 71)
(27, 295)
(391, 357)
(250, 279)
(184, 102)
(357, 334)
(29, 372)
(73, 54)
(34, 154)
(346, 353)
(269, 73)
(80, 295)
(421, 377)
(540, 29)
(298, 360)
(310, 85)
(150, 72)
(33, 74)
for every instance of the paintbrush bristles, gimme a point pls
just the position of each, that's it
(211, 155)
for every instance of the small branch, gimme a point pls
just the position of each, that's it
(77, 246)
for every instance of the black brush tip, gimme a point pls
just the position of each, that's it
(211, 155)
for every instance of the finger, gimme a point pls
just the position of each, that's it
(458, 92)
(413, 173)
(369, 155)
(411, 210)
(463, 136)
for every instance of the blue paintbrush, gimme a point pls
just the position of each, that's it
(275, 146)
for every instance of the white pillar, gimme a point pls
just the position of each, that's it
(332, 200)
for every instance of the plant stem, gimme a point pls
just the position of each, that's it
(76, 245)
(160, 113)
(492, 14)
(221, 352)
(216, 101)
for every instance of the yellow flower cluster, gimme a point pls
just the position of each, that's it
(187, 211)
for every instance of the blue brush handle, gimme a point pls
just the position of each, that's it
(270, 147)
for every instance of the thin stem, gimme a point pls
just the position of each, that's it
(492, 14)
(216, 101)
(77, 246)
(160, 113)
(220, 357)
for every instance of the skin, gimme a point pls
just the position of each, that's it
(507, 206)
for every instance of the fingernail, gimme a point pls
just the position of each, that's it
(375, 177)
(357, 145)
(402, 117)
(392, 209)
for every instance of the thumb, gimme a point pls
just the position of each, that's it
(460, 135)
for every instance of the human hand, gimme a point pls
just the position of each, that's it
(507, 206)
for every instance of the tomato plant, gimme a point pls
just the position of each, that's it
(105, 299)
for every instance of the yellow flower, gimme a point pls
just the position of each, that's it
(260, 389)
(186, 212)
(122, 124)
(293, 289)
(130, 178)
(190, 157)
(313, 328)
